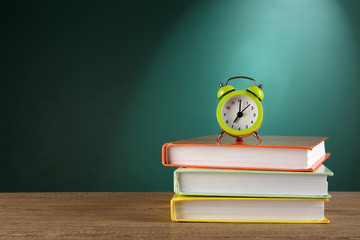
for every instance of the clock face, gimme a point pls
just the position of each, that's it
(239, 112)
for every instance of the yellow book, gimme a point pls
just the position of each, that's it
(235, 209)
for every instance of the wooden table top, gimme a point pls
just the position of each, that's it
(147, 216)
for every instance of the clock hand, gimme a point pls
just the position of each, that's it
(245, 108)
(237, 117)
(239, 114)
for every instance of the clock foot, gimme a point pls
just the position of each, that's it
(239, 139)
(220, 135)
(257, 136)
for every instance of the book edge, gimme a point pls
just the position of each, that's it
(325, 220)
(312, 168)
(327, 171)
(178, 197)
(269, 196)
(218, 144)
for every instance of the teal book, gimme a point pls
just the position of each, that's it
(247, 183)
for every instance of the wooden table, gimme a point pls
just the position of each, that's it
(147, 216)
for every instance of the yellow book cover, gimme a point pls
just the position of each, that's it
(239, 209)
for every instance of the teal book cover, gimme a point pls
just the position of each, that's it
(247, 183)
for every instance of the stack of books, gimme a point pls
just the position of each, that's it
(282, 179)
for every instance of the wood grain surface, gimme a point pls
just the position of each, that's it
(123, 215)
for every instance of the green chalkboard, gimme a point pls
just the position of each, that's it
(91, 90)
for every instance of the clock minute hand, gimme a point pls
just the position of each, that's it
(238, 115)
(245, 108)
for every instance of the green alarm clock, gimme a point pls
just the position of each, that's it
(240, 113)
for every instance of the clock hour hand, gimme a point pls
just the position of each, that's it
(239, 114)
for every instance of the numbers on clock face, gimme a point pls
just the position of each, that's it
(239, 112)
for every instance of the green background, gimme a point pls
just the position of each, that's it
(91, 90)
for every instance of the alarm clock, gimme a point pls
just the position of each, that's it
(240, 113)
